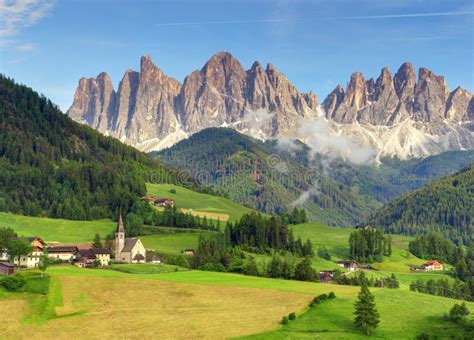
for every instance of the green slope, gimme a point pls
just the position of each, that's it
(56, 230)
(199, 202)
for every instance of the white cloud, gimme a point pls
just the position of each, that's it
(16, 15)
(319, 136)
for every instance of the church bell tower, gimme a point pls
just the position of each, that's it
(119, 239)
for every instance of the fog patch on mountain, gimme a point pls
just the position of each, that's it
(322, 139)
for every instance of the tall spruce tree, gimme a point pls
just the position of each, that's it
(367, 318)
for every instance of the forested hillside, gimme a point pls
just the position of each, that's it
(445, 205)
(245, 170)
(53, 166)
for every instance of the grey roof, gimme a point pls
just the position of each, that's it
(6, 264)
(62, 249)
(129, 244)
(92, 252)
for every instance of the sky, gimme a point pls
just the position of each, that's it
(49, 45)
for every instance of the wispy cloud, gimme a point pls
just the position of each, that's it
(410, 15)
(224, 22)
(16, 15)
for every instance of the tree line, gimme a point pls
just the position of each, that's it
(367, 245)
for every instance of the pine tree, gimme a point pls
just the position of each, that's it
(367, 317)
(97, 243)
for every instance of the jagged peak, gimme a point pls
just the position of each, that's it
(146, 64)
(256, 66)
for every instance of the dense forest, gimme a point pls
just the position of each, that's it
(248, 172)
(445, 206)
(53, 166)
(367, 245)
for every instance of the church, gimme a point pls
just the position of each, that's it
(128, 250)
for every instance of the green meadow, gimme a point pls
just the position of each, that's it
(56, 230)
(188, 199)
(173, 243)
(76, 296)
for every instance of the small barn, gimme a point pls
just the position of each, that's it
(164, 202)
(6, 268)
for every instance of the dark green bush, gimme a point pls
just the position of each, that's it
(331, 295)
(13, 283)
(292, 316)
(284, 320)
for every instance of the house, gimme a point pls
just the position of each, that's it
(62, 253)
(326, 276)
(164, 202)
(32, 259)
(433, 265)
(350, 265)
(188, 251)
(149, 199)
(128, 250)
(86, 257)
(6, 268)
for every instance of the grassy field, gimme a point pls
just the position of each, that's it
(133, 306)
(83, 302)
(336, 241)
(56, 230)
(214, 206)
(172, 243)
(145, 268)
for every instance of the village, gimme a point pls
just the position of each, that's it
(127, 250)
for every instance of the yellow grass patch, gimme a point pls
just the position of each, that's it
(11, 313)
(208, 215)
(163, 310)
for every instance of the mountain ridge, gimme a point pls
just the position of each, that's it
(395, 116)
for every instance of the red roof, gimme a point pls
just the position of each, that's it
(434, 263)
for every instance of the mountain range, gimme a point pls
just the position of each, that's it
(401, 115)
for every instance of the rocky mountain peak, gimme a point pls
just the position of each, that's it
(399, 115)
(404, 81)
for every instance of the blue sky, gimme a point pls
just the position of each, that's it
(49, 45)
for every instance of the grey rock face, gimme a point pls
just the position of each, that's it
(150, 105)
(388, 101)
(399, 115)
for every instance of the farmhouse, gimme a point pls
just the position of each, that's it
(32, 259)
(87, 257)
(128, 250)
(433, 265)
(350, 265)
(149, 199)
(63, 253)
(164, 202)
(6, 268)
(188, 251)
(326, 276)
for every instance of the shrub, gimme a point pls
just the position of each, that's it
(173, 191)
(331, 295)
(284, 320)
(292, 316)
(13, 283)
(458, 312)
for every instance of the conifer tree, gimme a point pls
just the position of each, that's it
(97, 243)
(367, 318)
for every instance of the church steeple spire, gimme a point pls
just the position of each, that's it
(119, 239)
(120, 228)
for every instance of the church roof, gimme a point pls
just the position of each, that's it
(129, 244)
(120, 228)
